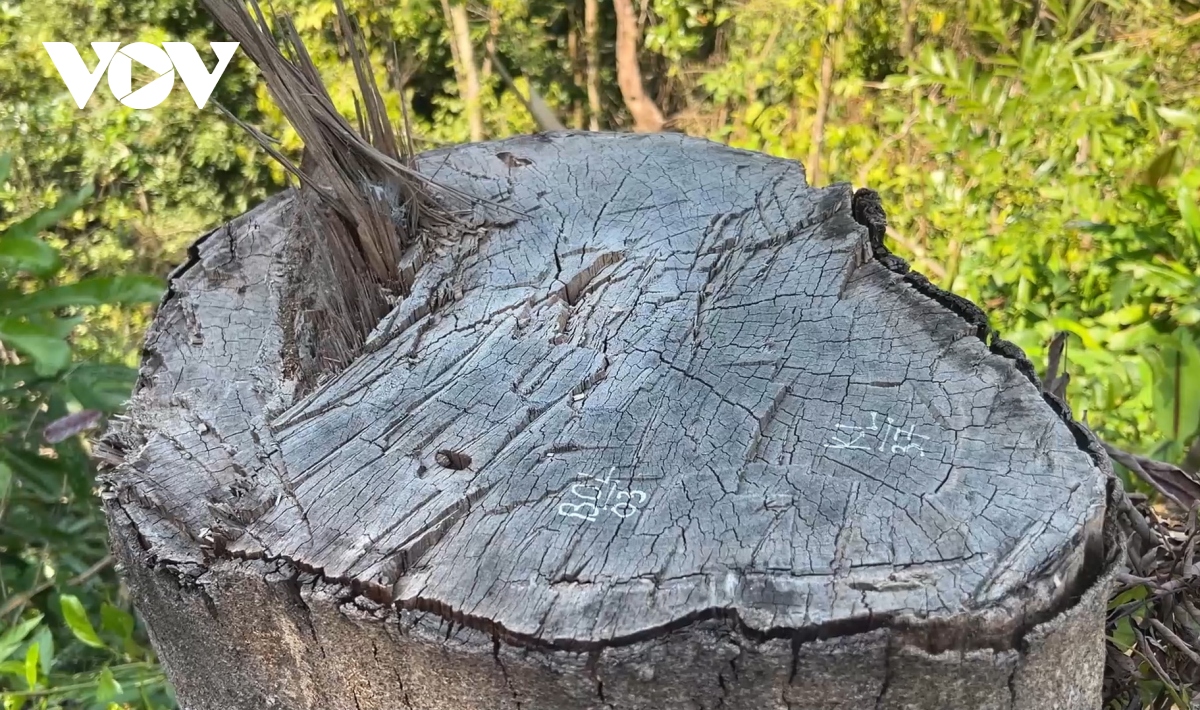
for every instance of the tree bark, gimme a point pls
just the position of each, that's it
(647, 118)
(664, 428)
(834, 23)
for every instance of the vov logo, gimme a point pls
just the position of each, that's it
(172, 57)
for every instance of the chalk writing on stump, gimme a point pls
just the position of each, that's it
(596, 495)
(866, 438)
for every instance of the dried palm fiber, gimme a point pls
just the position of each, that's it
(373, 213)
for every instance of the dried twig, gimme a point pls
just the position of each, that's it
(23, 598)
(1168, 479)
(1057, 379)
(1171, 638)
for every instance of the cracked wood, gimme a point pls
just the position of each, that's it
(680, 385)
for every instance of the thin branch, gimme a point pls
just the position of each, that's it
(1175, 641)
(23, 598)
(542, 114)
(828, 51)
(1168, 479)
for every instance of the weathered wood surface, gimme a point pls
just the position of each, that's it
(670, 434)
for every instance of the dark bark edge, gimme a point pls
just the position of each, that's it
(867, 207)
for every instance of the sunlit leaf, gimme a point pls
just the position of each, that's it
(107, 687)
(77, 619)
(1178, 118)
(31, 665)
(1189, 211)
(44, 638)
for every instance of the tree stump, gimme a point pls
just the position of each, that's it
(665, 428)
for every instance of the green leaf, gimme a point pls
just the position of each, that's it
(50, 354)
(32, 226)
(29, 254)
(1178, 118)
(116, 621)
(13, 376)
(107, 687)
(11, 640)
(1176, 394)
(1123, 634)
(5, 167)
(1189, 211)
(1122, 284)
(94, 291)
(102, 387)
(1132, 594)
(1160, 167)
(76, 618)
(44, 638)
(31, 666)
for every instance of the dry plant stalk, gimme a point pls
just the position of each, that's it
(358, 176)
(373, 218)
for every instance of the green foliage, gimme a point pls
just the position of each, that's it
(161, 177)
(28, 664)
(1028, 150)
(28, 320)
(52, 534)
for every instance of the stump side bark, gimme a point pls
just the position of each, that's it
(665, 428)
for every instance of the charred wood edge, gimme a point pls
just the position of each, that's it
(973, 630)
(867, 207)
(868, 211)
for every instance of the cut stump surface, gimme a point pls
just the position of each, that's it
(663, 410)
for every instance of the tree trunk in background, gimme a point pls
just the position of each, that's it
(489, 47)
(834, 22)
(708, 446)
(646, 116)
(464, 64)
(542, 114)
(591, 30)
(575, 55)
(907, 44)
